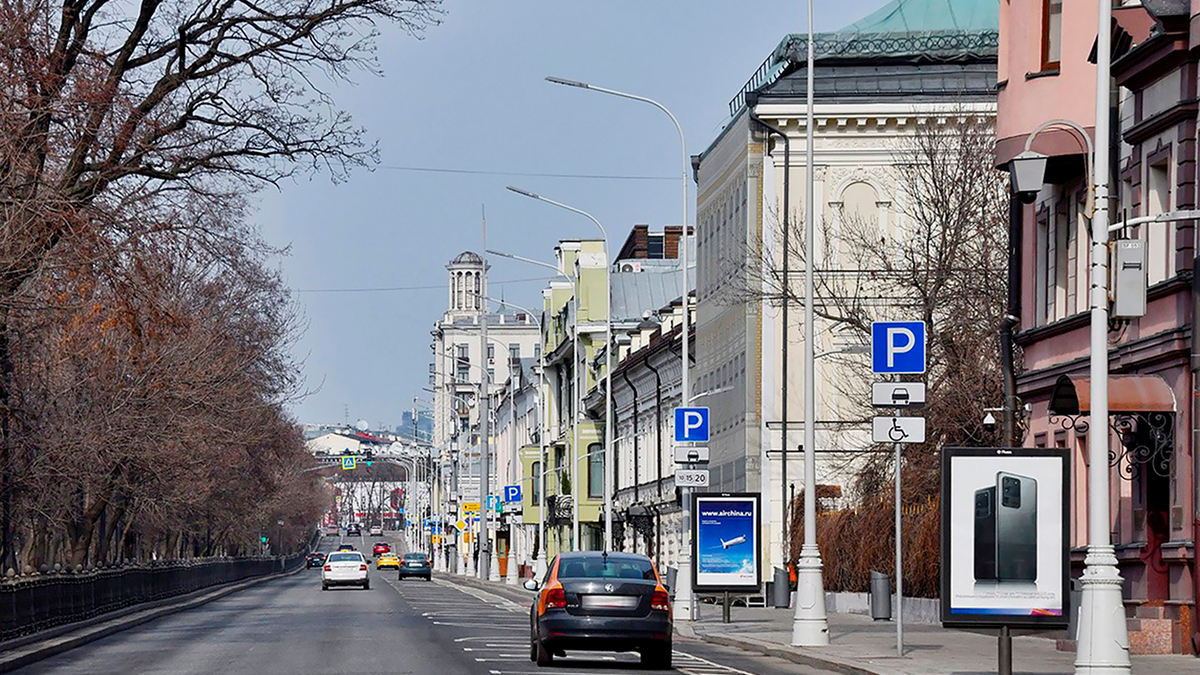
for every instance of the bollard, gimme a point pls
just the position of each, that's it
(881, 596)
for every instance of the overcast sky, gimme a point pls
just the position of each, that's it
(471, 96)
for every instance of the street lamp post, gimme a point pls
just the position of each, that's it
(683, 592)
(541, 422)
(608, 411)
(485, 406)
(540, 562)
(810, 625)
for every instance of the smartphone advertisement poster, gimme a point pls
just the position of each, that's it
(725, 542)
(1005, 554)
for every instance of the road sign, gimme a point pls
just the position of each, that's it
(898, 429)
(461, 526)
(512, 493)
(691, 477)
(691, 425)
(337, 499)
(689, 454)
(470, 507)
(494, 503)
(897, 394)
(348, 463)
(898, 347)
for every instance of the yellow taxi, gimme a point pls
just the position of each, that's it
(388, 560)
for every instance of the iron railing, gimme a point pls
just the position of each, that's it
(37, 602)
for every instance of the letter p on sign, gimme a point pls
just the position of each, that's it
(898, 347)
(691, 425)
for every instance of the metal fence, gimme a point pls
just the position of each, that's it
(29, 605)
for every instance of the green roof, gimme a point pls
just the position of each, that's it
(930, 16)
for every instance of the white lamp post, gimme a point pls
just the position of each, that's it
(608, 341)
(683, 582)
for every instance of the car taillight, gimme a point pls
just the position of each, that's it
(362, 568)
(328, 568)
(660, 600)
(556, 598)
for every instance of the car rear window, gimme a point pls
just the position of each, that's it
(345, 557)
(611, 568)
(414, 556)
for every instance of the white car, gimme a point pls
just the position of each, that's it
(345, 568)
(376, 531)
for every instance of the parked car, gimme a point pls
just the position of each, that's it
(354, 530)
(314, 559)
(416, 565)
(382, 547)
(345, 568)
(376, 531)
(601, 601)
(388, 560)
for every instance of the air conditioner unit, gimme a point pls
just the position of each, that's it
(631, 267)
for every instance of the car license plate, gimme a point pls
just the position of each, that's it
(609, 601)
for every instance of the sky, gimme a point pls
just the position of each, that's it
(471, 96)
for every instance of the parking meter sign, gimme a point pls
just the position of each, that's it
(691, 425)
(898, 347)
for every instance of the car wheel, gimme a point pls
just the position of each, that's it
(366, 585)
(657, 658)
(324, 587)
(429, 578)
(542, 655)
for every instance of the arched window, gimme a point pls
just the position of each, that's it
(478, 290)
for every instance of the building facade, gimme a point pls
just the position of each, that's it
(878, 82)
(1047, 71)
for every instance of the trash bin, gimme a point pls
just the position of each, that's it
(672, 574)
(781, 591)
(881, 596)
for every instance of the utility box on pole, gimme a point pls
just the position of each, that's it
(1129, 279)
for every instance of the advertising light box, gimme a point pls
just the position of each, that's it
(725, 552)
(1005, 555)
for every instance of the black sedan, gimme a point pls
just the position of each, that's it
(416, 565)
(601, 601)
(314, 559)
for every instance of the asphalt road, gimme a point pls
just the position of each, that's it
(291, 627)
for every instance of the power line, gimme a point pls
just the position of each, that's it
(390, 289)
(525, 174)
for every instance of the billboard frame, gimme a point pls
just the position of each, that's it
(755, 499)
(962, 620)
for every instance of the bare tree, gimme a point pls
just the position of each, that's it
(943, 262)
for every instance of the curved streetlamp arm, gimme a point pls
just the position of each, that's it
(572, 209)
(531, 261)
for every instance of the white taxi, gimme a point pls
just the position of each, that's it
(345, 568)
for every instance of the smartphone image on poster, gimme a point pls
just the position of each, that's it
(985, 534)
(1016, 527)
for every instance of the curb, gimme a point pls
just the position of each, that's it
(781, 652)
(65, 638)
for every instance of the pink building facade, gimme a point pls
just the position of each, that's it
(1047, 71)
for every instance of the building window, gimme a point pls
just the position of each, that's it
(464, 352)
(514, 352)
(654, 247)
(535, 490)
(1051, 33)
(595, 463)
(1158, 237)
(491, 352)
(491, 376)
(537, 351)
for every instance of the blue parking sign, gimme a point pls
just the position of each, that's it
(512, 493)
(898, 347)
(691, 425)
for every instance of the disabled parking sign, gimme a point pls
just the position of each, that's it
(898, 347)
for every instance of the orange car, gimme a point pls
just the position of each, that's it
(601, 601)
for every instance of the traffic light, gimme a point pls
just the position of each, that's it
(369, 458)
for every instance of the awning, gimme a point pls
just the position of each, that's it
(1126, 394)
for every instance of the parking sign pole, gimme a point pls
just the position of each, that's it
(899, 565)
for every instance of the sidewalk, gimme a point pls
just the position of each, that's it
(860, 646)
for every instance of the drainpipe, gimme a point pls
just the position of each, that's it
(636, 446)
(1195, 368)
(784, 546)
(658, 474)
(1011, 318)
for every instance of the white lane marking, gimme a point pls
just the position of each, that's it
(709, 666)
